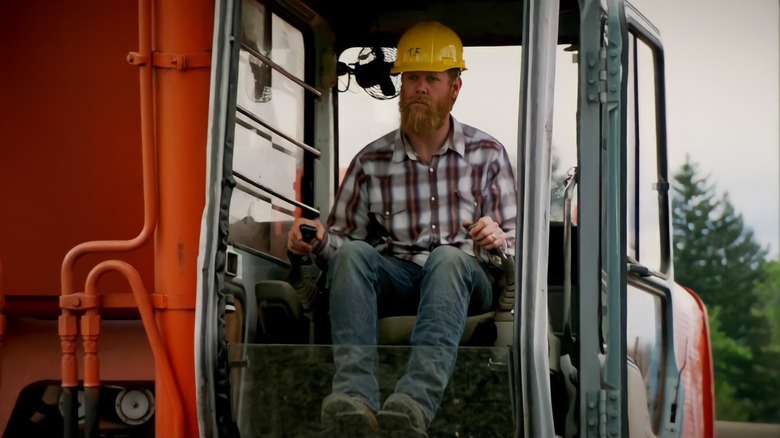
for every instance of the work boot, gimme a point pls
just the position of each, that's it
(347, 416)
(401, 416)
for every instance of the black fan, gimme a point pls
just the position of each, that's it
(372, 72)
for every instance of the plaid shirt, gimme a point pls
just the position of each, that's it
(407, 208)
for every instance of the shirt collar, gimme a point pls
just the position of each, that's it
(456, 142)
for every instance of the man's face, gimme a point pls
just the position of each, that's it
(426, 100)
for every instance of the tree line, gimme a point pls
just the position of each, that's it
(718, 256)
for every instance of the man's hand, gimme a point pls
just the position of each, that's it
(486, 233)
(295, 242)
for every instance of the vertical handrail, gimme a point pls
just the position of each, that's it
(537, 90)
(571, 184)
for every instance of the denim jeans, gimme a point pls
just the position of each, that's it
(449, 287)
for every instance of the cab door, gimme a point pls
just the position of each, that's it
(263, 147)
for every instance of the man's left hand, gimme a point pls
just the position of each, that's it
(486, 233)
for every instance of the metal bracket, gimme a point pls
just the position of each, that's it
(79, 301)
(173, 301)
(181, 61)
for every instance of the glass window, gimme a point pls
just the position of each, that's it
(564, 131)
(268, 151)
(263, 91)
(645, 345)
(631, 161)
(260, 222)
(649, 213)
(267, 159)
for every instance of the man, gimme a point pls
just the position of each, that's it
(441, 195)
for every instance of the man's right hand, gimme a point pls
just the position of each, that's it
(295, 242)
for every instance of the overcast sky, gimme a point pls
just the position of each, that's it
(723, 101)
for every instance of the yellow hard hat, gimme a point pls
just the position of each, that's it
(429, 46)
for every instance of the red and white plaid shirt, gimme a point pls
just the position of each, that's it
(423, 206)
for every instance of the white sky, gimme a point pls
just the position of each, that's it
(723, 101)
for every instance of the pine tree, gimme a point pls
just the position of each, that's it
(717, 256)
(714, 253)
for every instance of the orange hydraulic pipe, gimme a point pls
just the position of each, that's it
(147, 157)
(68, 323)
(183, 30)
(161, 359)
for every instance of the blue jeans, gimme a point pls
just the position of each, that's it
(451, 286)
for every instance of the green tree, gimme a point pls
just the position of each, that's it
(718, 257)
(768, 308)
(768, 293)
(715, 254)
(730, 356)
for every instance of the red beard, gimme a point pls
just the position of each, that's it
(423, 119)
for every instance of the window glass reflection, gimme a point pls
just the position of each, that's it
(267, 159)
(260, 223)
(645, 345)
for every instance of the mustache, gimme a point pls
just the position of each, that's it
(411, 101)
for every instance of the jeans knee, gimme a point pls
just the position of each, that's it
(448, 256)
(351, 259)
(354, 251)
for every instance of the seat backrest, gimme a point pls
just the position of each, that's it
(397, 330)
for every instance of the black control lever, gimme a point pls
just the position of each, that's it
(305, 290)
(308, 233)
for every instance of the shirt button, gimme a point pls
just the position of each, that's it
(387, 213)
(430, 169)
(433, 226)
(433, 198)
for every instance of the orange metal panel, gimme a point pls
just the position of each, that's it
(71, 167)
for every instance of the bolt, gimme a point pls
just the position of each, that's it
(592, 62)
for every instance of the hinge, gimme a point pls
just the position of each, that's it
(603, 75)
(609, 74)
(603, 414)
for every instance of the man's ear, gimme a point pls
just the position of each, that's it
(456, 84)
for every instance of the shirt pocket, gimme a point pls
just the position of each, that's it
(392, 217)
